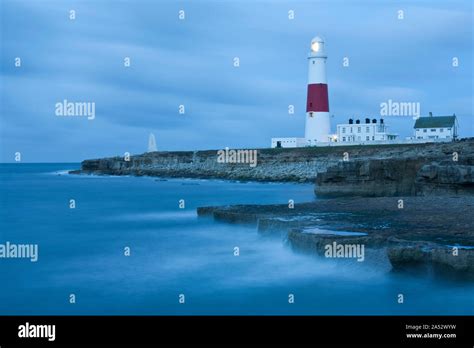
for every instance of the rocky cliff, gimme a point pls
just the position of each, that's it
(298, 165)
(439, 169)
(382, 169)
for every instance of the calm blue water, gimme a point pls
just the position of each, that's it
(81, 251)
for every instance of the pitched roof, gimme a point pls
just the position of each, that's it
(435, 122)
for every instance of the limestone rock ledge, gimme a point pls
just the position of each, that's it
(445, 169)
(433, 257)
(422, 235)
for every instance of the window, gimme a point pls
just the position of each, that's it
(424, 130)
(358, 129)
(343, 129)
(433, 129)
(367, 129)
(373, 137)
(343, 138)
(351, 129)
(449, 129)
(441, 130)
(367, 138)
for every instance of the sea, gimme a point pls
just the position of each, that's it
(120, 245)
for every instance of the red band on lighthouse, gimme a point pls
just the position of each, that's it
(317, 98)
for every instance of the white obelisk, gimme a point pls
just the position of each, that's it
(151, 143)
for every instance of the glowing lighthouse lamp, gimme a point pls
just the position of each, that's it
(318, 126)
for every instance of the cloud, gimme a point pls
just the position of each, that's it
(189, 62)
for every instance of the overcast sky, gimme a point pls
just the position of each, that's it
(190, 62)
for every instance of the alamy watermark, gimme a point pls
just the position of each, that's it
(348, 251)
(394, 108)
(77, 109)
(28, 330)
(237, 156)
(19, 251)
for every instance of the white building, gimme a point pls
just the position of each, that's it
(437, 127)
(363, 132)
(289, 142)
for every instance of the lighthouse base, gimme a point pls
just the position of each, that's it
(318, 128)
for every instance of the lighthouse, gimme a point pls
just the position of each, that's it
(318, 127)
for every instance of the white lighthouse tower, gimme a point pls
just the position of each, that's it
(318, 126)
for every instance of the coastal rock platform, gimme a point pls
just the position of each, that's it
(433, 232)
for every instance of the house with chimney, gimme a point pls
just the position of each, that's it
(436, 127)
